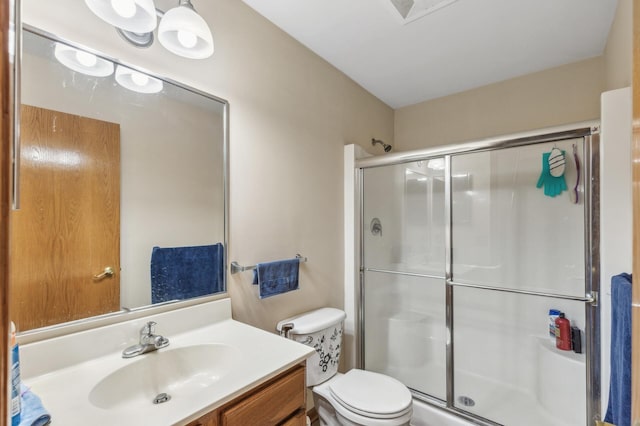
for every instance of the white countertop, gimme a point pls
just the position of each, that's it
(64, 386)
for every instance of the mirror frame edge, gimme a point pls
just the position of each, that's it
(635, 164)
(7, 17)
(62, 329)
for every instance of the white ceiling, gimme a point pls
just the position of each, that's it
(467, 44)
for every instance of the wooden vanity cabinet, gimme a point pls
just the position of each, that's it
(209, 419)
(280, 401)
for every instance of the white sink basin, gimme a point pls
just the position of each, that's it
(82, 378)
(178, 372)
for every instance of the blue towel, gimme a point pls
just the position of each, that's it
(619, 409)
(32, 412)
(276, 277)
(179, 273)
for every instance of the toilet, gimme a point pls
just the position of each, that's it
(355, 398)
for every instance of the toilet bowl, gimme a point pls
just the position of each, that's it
(363, 398)
(356, 398)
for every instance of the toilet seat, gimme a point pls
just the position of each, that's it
(372, 395)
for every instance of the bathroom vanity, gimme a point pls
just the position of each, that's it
(215, 371)
(280, 401)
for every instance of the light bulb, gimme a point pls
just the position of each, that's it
(87, 59)
(187, 38)
(139, 78)
(137, 81)
(124, 8)
(81, 61)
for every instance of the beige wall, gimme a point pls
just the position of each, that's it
(561, 95)
(291, 113)
(618, 52)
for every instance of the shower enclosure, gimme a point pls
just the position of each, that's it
(462, 256)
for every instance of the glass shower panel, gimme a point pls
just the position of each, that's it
(405, 330)
(507, 367)
(506, 232)
(404, 224)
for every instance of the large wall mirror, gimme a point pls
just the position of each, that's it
(122, 188)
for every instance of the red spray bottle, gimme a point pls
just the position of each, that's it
(563, 333)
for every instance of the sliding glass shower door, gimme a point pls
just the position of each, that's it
(404, 237)
(463, 256)
(515, 254)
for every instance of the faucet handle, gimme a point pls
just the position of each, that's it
(148, 329)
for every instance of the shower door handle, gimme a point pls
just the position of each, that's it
(591, 298)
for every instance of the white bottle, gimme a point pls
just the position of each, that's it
(15, 378)
(553, 314)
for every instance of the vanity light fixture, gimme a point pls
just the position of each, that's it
(90, 64)
(81, 61)
(137, 81)
(138, 16)
(182, 31)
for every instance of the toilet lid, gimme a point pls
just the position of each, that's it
(371, 394)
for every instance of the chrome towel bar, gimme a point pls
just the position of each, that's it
(235, 267)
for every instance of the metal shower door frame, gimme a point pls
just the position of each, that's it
(590, 133)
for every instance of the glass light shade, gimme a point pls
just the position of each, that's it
(137, 81)
(81, 61)
(137, 16)
(183, 32)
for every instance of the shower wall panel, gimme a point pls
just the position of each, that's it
(405, 330)
(408, 201)
(507, 364)
(506, 232)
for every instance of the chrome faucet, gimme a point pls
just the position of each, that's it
(149, 342)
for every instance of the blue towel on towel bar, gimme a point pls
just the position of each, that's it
(179, 273)
(276, 277)
(619, 408)
(32, 411)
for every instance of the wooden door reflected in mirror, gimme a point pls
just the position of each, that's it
(67, 230)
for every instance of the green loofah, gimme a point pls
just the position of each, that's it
(552, 185)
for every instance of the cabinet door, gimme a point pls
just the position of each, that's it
(299, 419)
(209, 419)
(271, 405)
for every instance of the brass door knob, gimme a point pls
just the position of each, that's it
(108, 272)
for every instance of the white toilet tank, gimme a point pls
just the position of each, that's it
(322, 330)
